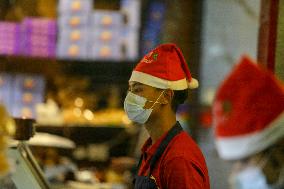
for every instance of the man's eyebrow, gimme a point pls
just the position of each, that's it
(136, 85)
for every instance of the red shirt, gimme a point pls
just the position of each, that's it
(181, 166)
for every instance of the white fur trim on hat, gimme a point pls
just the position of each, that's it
(193, 84)
(232, 148)
(156, 82)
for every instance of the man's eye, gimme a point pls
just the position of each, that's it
(137, 90)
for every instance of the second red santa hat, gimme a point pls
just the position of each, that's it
(164, 68)
(248, 111)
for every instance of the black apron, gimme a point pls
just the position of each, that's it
(146, 182)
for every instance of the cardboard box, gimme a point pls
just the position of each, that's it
(42, 26)
(10, 48)
(39, 40)
(75, 6)
(105, 35)
(73, 21)
(9, 30)
(72, 50)
(27, 98)
(29, 83)
(27, 92)
(10, 38)
(79, 35)
(39, 45)
(105, 51)
(40, 51)
(107, 18)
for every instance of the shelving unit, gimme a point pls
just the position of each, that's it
(82, 134)
(101, 71)
(116, 138)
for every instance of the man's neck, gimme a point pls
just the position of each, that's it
(156, 128)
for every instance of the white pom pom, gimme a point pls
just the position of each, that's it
(193, 84)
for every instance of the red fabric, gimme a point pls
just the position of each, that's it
(249, 96)
(165, 62)
(181, 166)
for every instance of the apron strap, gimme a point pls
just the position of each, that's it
(139, 163)
(171, 134)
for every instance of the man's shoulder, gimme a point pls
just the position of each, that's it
(183, 143)
(183, 146)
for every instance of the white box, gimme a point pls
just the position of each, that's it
(106, 18)
(75, 6)
(73, 21)
(69, 50)
(79, 35)
(104, 35)
(102, 51)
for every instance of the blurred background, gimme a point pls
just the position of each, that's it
(66, 64)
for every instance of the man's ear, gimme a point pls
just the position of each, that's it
(168, 96)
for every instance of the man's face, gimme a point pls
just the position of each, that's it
(146, 91)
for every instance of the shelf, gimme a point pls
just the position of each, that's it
(83, 126)
(102, 71)
(118, 139)
(84, 134)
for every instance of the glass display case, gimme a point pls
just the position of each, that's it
(26, 172)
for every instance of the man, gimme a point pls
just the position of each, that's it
(249, 126)
(170, 158)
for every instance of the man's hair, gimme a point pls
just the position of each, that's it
(179, 98)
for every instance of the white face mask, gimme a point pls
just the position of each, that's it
(134, 107)
(252, 177)
(249, 178)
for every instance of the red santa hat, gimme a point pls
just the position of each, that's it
(164, 68)
(248, 111)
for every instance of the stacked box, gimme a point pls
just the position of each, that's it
(21, 93)
(75, 6)
(28, 91)
(151, 32)
(105, 44)
(72, 44)
(107, 18)
(39, 37)
(39, 26)
(10, 38)
(105, 35)
(6, 82)
(105, 51)
(73, 22)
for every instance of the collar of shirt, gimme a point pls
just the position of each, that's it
(150, 148)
